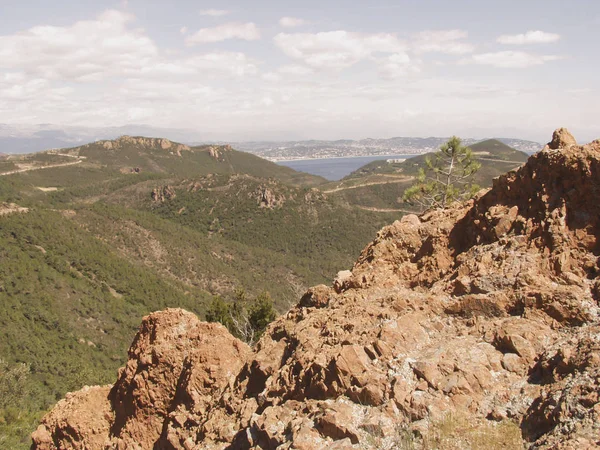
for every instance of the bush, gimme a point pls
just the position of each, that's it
(13, 381)
(245, 318)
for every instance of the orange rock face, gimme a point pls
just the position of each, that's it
(489, 309)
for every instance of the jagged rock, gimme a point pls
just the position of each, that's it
(177, 365)
(342, 281)
(163, 144)
(162, 194)
(266, 198)
(561, 138)
(317, 297)
(218, 153)
(314, 196)
(80, 421)
(488, 309)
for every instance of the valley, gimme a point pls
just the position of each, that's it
(95, 237)
(463, 327)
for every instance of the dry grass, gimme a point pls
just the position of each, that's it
(453, 432)
(461, 432)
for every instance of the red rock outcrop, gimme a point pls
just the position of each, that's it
(487, 310)
(175, 361)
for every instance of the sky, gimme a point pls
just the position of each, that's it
(289, 70)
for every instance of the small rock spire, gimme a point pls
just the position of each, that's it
(561, 138)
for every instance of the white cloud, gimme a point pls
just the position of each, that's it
(208, 65)
(397, 65)
(234, 63)
(531, 37)
(232, 30)
(511, 59)
(91, 51)
(295, 69)
(336, 49)
(87, 50)
(183, 30)
(271, 77)
(291, 22)
(214, 12)
(579, 91)
(442, 41)
(267, 101)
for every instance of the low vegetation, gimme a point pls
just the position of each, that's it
(448, 177)
(382, 184)
(246, 318)
(95, 253)
(453, 431)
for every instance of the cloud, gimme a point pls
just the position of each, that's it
(295, 69)
(511, 59)
(291, 22)
(531, 37)
(442, 41)
(183, 30)
(397, 65)
(208, 65)
(271, 77)
(87, 50)
(232, 30)
(214, 12)
(336, 49)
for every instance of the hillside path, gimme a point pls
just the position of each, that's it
(370, 208)
(502, 161)
(29, 169)
(373, 183)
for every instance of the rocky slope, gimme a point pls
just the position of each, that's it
(487, 311)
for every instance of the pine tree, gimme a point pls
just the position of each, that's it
(447, 177)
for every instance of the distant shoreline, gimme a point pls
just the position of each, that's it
(345, 157)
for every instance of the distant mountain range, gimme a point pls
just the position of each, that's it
(278, 151)
(33, 138)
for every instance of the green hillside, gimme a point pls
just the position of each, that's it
(128, 157)
(117, 229)
(69, 305)
(381, 184)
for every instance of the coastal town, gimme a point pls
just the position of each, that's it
(300, 150)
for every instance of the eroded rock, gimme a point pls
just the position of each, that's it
(488, 310)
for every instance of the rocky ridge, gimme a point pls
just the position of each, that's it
(487, 310)
(164, 144)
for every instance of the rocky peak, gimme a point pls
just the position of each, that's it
(561, 138)
(151, 143)
(175, 363)
(488, 310)
(218, 152)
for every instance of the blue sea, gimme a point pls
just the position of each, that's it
(335, 168)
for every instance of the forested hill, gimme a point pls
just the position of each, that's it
(94, 237)
(381, 184)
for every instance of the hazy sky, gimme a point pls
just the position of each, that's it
(306, 69)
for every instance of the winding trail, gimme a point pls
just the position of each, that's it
(373, 183)
(502, 161)
(29, 169)
(370, 208)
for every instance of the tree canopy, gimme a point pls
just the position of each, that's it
(447, 177)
